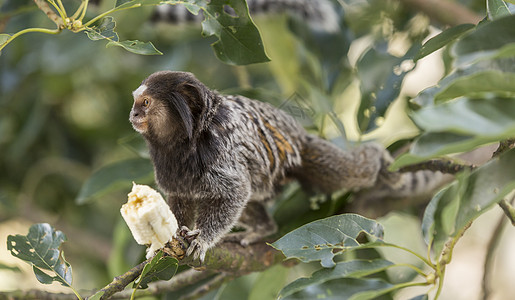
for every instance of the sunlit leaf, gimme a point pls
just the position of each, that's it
(239, 42)
(159, 268)
(486, 41)
(442, 39)
(496, 9)
(115, 176)
(323, 239)
(40, 247)
(143, 48)
(459, 126)
(347, 269)
(478, 84)
(488, 117)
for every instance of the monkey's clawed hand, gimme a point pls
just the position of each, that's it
(197, 246)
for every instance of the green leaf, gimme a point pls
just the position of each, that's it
(103, 30)
(428, 219)
(239, 41)
(497, 9)
(323, 239)
(459, 126)
(489, 117)
(269, 283)
(347, 269)
(330, 48)
(479, 84)
(442, 39)
(115, 176)
(143, 48)
(469, 197)
(340, 289)
(381, 76)
(486, 186)
(40, 247)
(159, 268)
(486, 41)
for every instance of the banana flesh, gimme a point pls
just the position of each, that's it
(149, 218)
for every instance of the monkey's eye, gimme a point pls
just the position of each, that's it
(146, 102)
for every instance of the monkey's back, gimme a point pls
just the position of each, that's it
(269, 141)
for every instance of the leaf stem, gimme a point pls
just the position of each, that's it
(17, 34)
(61, 13)
(426, 261)
(83, 14)
(76, 293)
(79, 10)
(414, 268)
(441, 276)
(61, 7)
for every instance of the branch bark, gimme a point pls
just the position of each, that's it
(444, 12)
(230, 259)
(43, 5)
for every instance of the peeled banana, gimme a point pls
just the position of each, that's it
(149, 218)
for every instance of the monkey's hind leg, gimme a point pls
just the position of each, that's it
(257, 223)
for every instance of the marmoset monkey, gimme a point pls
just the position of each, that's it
(219, 158)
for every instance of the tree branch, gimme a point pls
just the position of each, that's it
(444, 12)
(43, 5)
(178, 282)
(228, 258)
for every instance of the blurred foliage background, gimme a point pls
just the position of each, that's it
(65, 100)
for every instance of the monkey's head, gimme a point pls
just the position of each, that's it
(171, 106)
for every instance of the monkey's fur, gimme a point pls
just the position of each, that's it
(219, 158)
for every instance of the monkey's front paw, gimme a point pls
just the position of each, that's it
(198, 248)
(187, 234)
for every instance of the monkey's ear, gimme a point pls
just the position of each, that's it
(196, 97)
(183, 110)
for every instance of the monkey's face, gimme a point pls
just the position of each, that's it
(140, 109)
(170, 106)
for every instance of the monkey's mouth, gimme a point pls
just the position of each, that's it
(139, 126)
